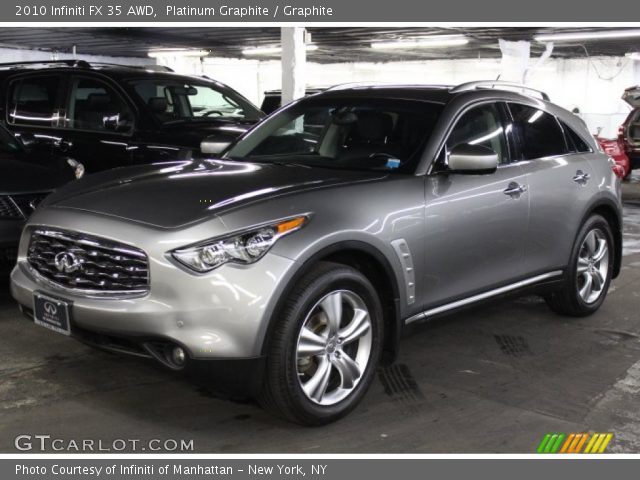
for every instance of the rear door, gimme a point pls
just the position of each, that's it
(561, 182)
(99, 124)
(476, 224)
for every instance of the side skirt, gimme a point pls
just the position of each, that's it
(484, 296)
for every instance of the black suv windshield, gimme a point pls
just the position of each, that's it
(349, 133)
(172, 101)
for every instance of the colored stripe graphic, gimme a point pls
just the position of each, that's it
(551, 443)
(574, 443)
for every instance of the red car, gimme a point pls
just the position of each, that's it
(629, 132)
(615, 149)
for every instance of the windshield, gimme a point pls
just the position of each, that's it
(177, 101)
(349, 133)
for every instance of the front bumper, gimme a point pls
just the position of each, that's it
(220, 315)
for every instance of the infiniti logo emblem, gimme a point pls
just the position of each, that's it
(67, 262)
(50, 308)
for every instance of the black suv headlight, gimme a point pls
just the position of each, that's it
(245, 247)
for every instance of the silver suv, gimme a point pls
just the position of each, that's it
(289, 266)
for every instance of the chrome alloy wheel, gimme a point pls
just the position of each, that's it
(334, 347)
(593, 266)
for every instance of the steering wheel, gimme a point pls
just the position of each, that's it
(212, 112)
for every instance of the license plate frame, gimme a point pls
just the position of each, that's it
(52, 313)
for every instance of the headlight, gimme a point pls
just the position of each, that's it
(245, 247)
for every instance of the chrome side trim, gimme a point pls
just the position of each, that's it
(404, 256)
(482, 296)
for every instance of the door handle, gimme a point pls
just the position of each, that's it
(63, 145)
(581, 177)
(515, 190)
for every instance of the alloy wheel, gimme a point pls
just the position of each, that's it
(593, 266)
(334, 347)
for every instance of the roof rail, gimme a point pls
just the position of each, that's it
(69, 63)
(157, 68)
(344, 86)
(497, 84)
(83, 64)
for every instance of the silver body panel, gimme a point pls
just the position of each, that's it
(463, 236)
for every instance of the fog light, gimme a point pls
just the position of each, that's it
(178, 356)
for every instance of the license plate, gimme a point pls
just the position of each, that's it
(51, 313)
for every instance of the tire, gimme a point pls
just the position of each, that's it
(573, 298)
(297, 358)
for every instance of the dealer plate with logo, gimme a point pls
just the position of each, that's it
(51, 313)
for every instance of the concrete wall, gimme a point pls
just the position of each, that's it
(592, 85)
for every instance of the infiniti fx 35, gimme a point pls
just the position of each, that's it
(289, 266)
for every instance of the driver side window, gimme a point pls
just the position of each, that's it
(483, 126)
(95, 106)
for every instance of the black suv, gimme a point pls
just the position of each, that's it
(26, 177)
(112, 115)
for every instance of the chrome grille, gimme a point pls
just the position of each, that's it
(87, 263)
(8, 208)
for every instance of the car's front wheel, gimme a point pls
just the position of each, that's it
(589, 272)
(325, 346)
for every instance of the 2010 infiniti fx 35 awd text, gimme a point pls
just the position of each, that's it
(291, 264)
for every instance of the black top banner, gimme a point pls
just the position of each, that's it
(281, 11)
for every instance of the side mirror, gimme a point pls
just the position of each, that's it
(214, 144)
(467, 158)
(115, 123)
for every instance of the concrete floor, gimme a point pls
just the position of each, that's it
(493, 379)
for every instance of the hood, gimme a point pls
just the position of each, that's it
(19, 176)
(191, 133)
(170, 195)
(632, 96)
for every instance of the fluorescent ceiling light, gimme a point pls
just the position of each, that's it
(272, 50)
(436, 41)
(178, 53)
(633, 55)
(592, 35)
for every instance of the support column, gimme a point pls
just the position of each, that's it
(294, 58)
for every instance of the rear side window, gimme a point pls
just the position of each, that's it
(32, 101)
(575, 141)
(539, 133)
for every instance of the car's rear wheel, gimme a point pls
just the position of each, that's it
(325, 346)
(589, 271)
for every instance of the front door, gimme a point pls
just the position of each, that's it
(99, 125)
(476, 224)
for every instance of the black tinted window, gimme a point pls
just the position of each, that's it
(32, 100)
(576, 143)
(480, 126)
(96, 106)
(539, 132)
